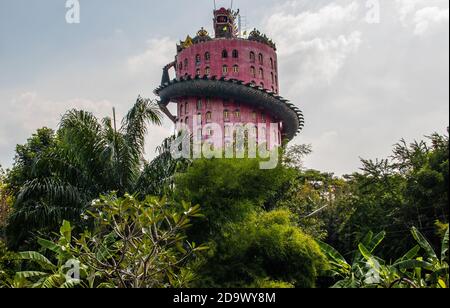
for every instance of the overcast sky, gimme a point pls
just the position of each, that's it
(362, 83)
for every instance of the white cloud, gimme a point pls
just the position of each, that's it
(314, 44)
(26, 112)
(154, 56)
(428, 17)
(423, 15)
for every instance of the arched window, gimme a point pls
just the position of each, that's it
(186, 63)
(187, 121)
(276, 79)
(273, 89)
(227, 131)
(235, 54)
(252, 57)
(253, 83)
(208, 117)
(253, 71)
(186, 108)
(224, 54)
(197, 72)
(261, 73)
(272, 77)
(263, 118)
(237, 114)
(181, 109)
(180, 66)
(225, 69)
(262, 85)
(271, 63)
(236, 68)
(207, 71)
(208, 103)
(207, 56)
(226, 116)
(198, 59)
(254, 132)
(254, 116)
(199, 104)
(261, 59)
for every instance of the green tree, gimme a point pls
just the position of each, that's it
(228, 189)
(135, 244)
(408, 190)
(251, 244)
(410, 271)
(265, 250)
(57, 175)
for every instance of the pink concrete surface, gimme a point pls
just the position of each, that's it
(193, 61)
(244, 62)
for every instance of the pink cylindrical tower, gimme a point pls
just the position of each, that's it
(226, 81)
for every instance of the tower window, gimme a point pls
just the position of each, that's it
(235, 54)
(207, 71)
(252, 57)
(253, 71)
(198, 59)
(207, 56)
(254, 116)
(236, 69)
(225, 69)
(226, 116)
(198, 72)
(208, 117)
(224, 54)
(261, 59)
(227, 131)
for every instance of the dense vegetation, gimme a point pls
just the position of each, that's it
(83, 199)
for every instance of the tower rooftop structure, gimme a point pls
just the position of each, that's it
(228, 79)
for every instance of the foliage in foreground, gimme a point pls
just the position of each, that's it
(413, 270)
(134, 245)
(266, 250)
(251, 244)
(56, 175)
(6, 200)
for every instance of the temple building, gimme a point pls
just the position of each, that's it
(228, 80)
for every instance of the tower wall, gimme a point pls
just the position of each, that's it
(207, 58)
